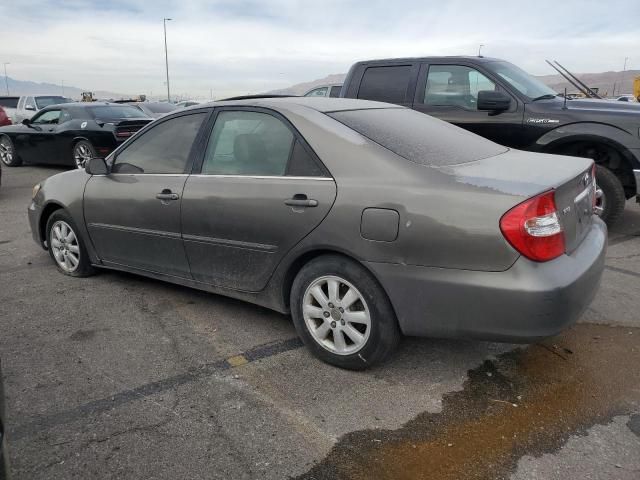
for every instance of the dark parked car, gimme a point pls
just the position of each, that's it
(501, 102)
(154, 109)
(363, 219)
(69, 134)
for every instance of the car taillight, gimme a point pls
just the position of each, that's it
(533, 228)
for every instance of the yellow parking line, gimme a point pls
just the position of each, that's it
(237, 360)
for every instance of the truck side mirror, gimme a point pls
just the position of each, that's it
(492, 101)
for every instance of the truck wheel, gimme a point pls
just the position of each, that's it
(8, 154)
(610, 198)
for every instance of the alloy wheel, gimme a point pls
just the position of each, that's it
(6, 151)
(336, 315)
(82, 154)
(65, 247)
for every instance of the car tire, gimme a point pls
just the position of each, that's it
(83, 151)
(610, 199)
(66, 246)
(350, 325)
(8, 154)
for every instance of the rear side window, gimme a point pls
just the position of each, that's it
(9, 102)
(385, 84)
(335, 91)
(163, 149)
(418, 137)
(302, 163)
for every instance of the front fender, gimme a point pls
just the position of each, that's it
(617, 138)
(65, 190)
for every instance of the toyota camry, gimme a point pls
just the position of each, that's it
(365, 221)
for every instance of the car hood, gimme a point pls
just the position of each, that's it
(606, 106)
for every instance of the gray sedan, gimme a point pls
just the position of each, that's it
(364, 220)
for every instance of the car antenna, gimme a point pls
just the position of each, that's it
(564, 106)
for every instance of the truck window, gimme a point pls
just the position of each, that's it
(455, 85)
(335, 91)
(385, 84)
(318, 92)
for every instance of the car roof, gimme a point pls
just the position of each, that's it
(428, 59)
(321, 104)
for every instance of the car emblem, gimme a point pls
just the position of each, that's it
(83, 125)
(566, 210)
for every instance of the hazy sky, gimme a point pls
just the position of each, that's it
(248, 46)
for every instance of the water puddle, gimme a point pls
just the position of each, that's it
(526, 402)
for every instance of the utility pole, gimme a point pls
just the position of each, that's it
(480, 49)
(166, 56)
(6, 81)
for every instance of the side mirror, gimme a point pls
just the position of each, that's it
(96, 166)
(26, 122)
(492, 101)
(30, 107)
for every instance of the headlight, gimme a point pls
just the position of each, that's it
(36, 189)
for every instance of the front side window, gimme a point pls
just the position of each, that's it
(385, 84)
(50, 117)
(317, 92)
(248, 143)
(163, 149)
(455, 85)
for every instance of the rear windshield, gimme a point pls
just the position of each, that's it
(116, 112)
(9, 102)
(42, 102)
(418, 137)
(160, 107)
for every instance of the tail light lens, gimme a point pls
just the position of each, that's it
(533, 228)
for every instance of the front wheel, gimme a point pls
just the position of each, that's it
(342, 314)
(610, 197)
(8, 154)
(83, 151)
(66, 246)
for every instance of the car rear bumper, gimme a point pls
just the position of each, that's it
(527, 302)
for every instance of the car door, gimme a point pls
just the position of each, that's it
(259, 191)
(133, 213)
(450, 91)
(35, 144)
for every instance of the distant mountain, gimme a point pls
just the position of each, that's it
(23, 87)
(604, 81)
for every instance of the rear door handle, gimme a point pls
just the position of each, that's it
(167, 195)
(301, 200)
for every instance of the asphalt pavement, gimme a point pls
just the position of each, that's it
(119, 376)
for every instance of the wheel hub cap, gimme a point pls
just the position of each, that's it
(336, 315)
(65, 247)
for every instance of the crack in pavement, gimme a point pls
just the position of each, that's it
(123, 397)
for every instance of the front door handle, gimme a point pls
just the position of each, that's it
(167, 195)
(301, 200)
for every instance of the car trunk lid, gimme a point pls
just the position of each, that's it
(524, 175)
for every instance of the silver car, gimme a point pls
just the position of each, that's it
(364, 220)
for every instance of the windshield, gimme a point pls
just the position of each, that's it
(116, 112)
(42, 102)
(418, 137)
(521, 80)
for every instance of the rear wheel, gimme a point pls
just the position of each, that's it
(66, 246)
(342, 314)
(8, 152)
(83, 151)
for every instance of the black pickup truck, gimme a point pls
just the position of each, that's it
(501, 102)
